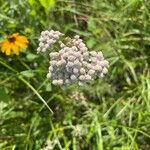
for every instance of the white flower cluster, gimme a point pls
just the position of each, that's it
(75, 64)
(48, 38)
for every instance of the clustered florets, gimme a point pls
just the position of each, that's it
(73, 63)
(47, 39)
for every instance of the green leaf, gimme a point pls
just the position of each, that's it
(31, 2)
(28, 73)
(47, 4)
(31, 57)
(48, 87)
(3, 95)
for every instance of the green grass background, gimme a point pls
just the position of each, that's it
(115, 114)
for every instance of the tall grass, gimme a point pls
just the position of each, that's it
(115, 111)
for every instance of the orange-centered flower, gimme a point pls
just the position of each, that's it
(13, 43)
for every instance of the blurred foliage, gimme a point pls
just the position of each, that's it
(115, 114)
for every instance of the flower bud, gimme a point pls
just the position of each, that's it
(51, 68)
(93, 53)
(43, 49)
(82, 77)
(97, 68)
(53, 62)
(54, 55)
(74, 48)
(54, 82)
(82, 71)
(88, 77)
(59, 82)
(73, 77)
(70, 64)
(71, 58)
(91, 72)
(56, 36)
(75, 71)
(41, 44)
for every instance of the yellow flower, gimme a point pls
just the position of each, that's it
(13, 43)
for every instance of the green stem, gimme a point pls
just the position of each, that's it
(27, 83)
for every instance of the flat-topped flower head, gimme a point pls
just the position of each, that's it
(72, 63)
(13, 43)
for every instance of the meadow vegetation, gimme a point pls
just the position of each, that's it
(112, 113)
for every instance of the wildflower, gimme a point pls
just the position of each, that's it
(47, 39)
(76, 68)
(73, 63)
(13, 43)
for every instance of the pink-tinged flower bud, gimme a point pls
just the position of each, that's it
(75, 71)
(82, 71)
(63, 61)
(89, 66)
(82, 77)
(88, 77)
(94, 59)
(59, 63)
(73, 63)
(91, 72)
(71, 58)
(53, 62)
(81, 45)
(97, 68)
(103, 63)
(50, 41)
(70, 64)
(99, 55)
(83, 49)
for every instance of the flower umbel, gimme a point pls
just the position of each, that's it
(13, 43)
(72, 63)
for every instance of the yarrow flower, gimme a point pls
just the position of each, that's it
(13, 43)
(73, 63)
(47, 39)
